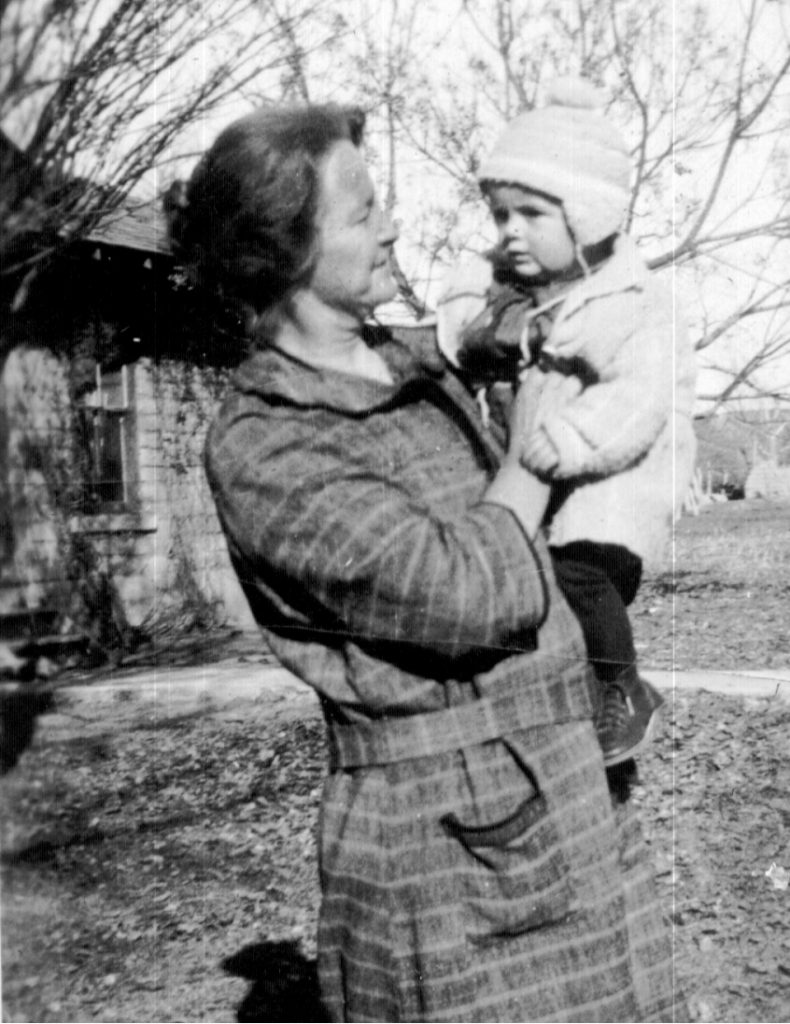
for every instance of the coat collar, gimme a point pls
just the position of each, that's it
(282, 378)
(623, 271)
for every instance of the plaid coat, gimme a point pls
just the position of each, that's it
(472, 865)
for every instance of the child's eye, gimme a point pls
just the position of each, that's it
(530, 211)
(500, 214)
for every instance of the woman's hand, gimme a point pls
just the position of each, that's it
(514, 486)
(522, 416)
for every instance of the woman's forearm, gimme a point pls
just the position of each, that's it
(525, 495)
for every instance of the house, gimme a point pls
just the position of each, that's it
(109, 525)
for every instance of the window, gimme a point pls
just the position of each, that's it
(104, 424)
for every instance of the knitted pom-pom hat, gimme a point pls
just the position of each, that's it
(569, 150)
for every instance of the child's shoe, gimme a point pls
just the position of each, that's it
(628, 717)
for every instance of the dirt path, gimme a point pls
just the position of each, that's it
(136, 866)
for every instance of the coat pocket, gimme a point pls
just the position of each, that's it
(513, 873)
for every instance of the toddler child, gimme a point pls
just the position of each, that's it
(565, 305)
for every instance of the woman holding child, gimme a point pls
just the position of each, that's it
(473, 866)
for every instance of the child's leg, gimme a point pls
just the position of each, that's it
(598, 581)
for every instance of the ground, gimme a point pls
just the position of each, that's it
(166, 870)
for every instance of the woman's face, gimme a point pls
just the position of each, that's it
(354, 237)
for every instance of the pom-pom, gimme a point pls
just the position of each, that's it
(574, 92)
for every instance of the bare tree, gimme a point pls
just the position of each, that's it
(702, 95)
(385, 69)
(93, 94)
(717, 151)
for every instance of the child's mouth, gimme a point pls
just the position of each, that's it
(523, 261)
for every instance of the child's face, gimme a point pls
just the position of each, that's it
(533, 234)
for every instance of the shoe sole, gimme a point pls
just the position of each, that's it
(632, 751)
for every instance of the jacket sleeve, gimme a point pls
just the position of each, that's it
(617, 418)
(339, 548)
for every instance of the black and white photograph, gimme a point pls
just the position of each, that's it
(395, 511)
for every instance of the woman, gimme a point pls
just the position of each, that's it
(471, 864)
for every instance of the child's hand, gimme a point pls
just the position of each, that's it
(539, 455)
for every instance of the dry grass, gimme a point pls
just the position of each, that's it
(737, 543)
(720, 602)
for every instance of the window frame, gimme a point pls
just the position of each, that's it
(112, 399)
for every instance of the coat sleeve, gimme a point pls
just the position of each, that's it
(349, 551)
(617, 418)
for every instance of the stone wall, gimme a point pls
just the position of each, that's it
(164, 557)
(191, 556)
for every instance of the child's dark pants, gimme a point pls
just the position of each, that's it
(599, 581)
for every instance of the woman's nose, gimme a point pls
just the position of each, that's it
(389, 230)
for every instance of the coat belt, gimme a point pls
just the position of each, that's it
(517, 700)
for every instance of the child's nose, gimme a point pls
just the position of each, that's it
(512, 227)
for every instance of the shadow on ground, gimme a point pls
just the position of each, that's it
(284, 983)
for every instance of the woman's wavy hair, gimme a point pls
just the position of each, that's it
(244, 225)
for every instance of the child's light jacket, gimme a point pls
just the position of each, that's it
(625, 437)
